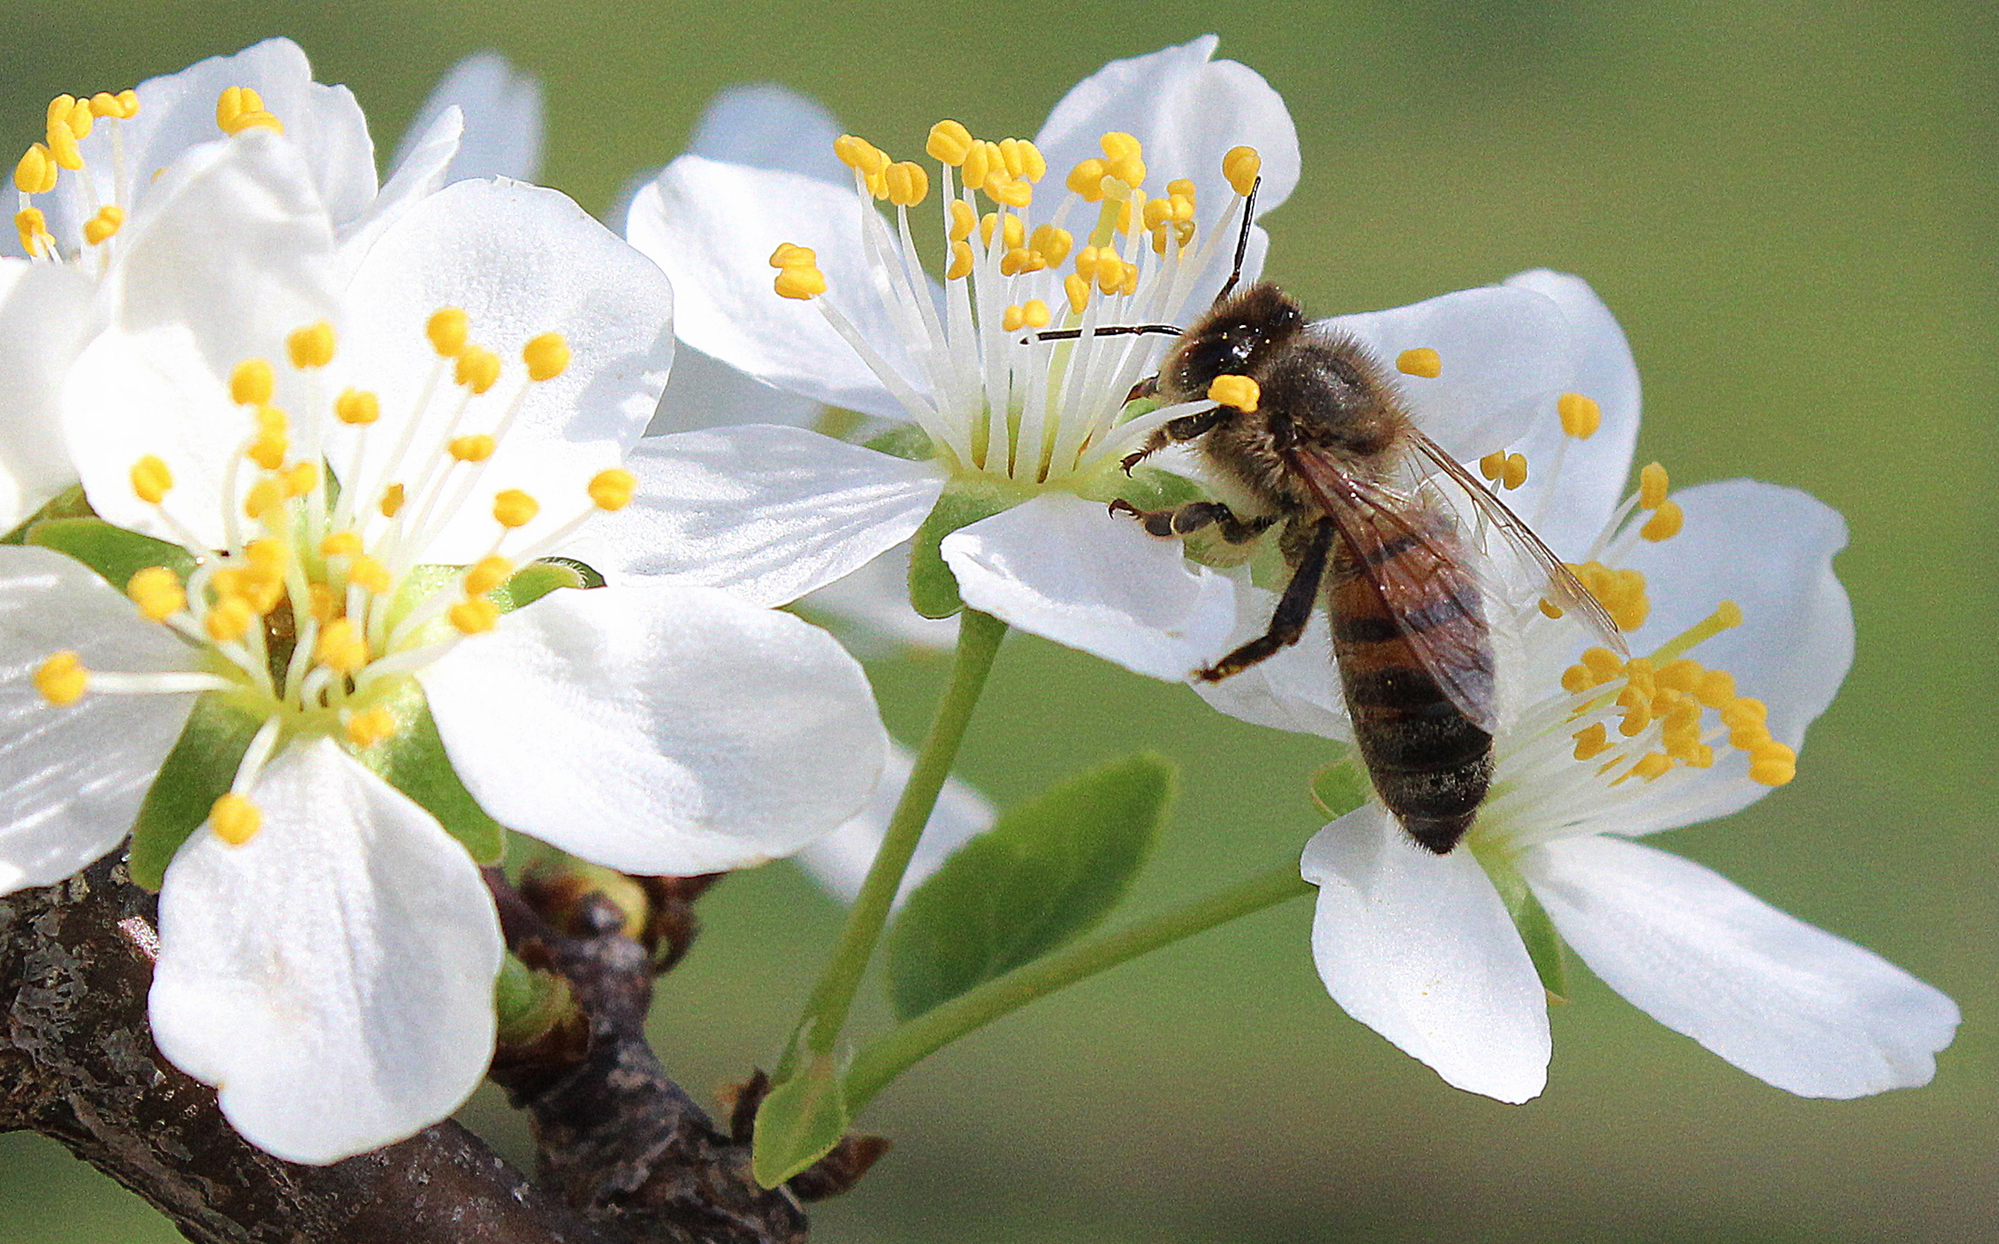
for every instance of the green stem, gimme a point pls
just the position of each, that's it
(878, 1064)
(825, 1015)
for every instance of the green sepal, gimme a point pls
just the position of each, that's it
(799, 1123)
(1047, 872)
(588, 576)
(933, 589)
(413, 761)
(527, 585)
(113, 552)
(69, 503)
(907, 441)
(1138, 406)
(528, 1002)
(1341, 787)
(1537, 930)
(532, 582)
(196, 773)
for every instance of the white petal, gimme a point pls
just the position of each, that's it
(519, 261)
(870, 611)
(503, 119)
(72, 779)
(765, 125)
(1790, 1004)
(1569, 509)
(1066, 569)
(1297, 690)
(1505, 359)
(419, 173)
(707, 393)
(333, 976)
(1419, 948)
(841, 859)
(660, 728)
(713, 226)
(768, 512)
(45, 318)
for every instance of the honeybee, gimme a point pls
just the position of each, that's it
(1328, 455)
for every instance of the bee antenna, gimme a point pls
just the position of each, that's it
(1113, 330)
(1242, 239)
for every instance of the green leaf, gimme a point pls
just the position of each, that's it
(933, 589)
(1049, 871)
(906, 441)
(1537, 930)
(413, 761)
(69, 503)
(113, 552)
(196, 773)
(1341, 787)
(799, 1123)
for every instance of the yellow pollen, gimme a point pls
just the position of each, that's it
(301, 478)
(392, 500)
(151, 479)
(979, 164)
(1238, 391)
(36, 172)
(1420, 361)
(1493, 465)
(514, 508)
(963, 220)
(106, 222)
(1591, 741)
(949, 142)
(1241, 166)
(1682, 675)
(1119, 145)
(311, 346)
(356, 407)
(235, 819)
(157, 592)
(1665, 522)
(228, 620)
(1652, 484)
(907, 184)
(447, 329)
(800, 282)
(341, 647)
(34, 230)
(1514, 472)
(252, 382)
(62, 148)
(240, 108)
(323, 601)
(860, 154)
(370, 726)
(1023, 159)
(268, 450)
(1715, 688)
(269, 555)
(1050, 243)
(1744, 712)
(788, 255)
(546, 355)
(62, 679)
(612, 489)
(105, 104)
(1011, 193)
(1621, 592)
(369, 574)
(1087, 180)
(341, 544)
(1182, 188)
(264, 496)
(1652, 765)
(1078, 291)
(489, 573)
(1550, 609)
(474, 615)
(478, 368)
(1581, 416)
(474, 448)
(1773, 764)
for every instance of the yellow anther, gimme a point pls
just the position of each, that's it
(1493, 465)
(1238, 391)
(1011, 193)
(1652, 485)
(1577, 679)
(1581, 416)
(612, 489)
(268, 450)
(1013, 319)
(1637, 715)
(62, 148)
(1241, 166)
(963, 220)
(1050, 243)
(62, 678)
(260, 590)
(1078, 291)
(961, 261)
(157, 592)
(370, 726)
(1744, 713)
(1622, 594)
(151, 479)
(949, 142)
(36, 172)
(34, 230)
(858, 153)
(447, 329)
(357, 407)
(1012, 230)
(1773, 764)
(240, 108)
(264, 496)
(1715, 688)
(59, 109)
(1514, 472)
(1653, 765)
(1602, 662)
(474, 615)
(514, 508)
(981, 159)
(1157, 212)
(311, 346)
(1117, 144)
(1665, 522)
(487, 574)
(301, 478)
(105, 104)
(1023, 159)
(323, 601)
(477, 369)
(1639, 672)
(228, 619)
(907, 183)
(1036, 313)
(235, 819)
(800, 282)
(1549, 609)
(474, 448)
(1591, 741)
(547, 356)
(789, 255)
(1682, 674)
(1020, 259)
(1750, 737)
(341, 647)
(369, 574)
(1127, 169)
(341, 544)
(99, 228)
(252, 382)
(1420, 361)
(392, 500)
(268, 555)
(1087, 180)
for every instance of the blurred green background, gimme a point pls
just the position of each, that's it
(1792, 210)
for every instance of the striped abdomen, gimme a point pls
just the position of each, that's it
(1430, 763)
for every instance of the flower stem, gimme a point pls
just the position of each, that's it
(878, 1064)
(825, 1015)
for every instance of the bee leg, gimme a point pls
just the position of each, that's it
(1193, 516)
(1173, 431)
(1294, 609)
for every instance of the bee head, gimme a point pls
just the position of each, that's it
(1231, 340)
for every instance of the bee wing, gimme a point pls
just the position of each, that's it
(1558, 585)
(1415, 574)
